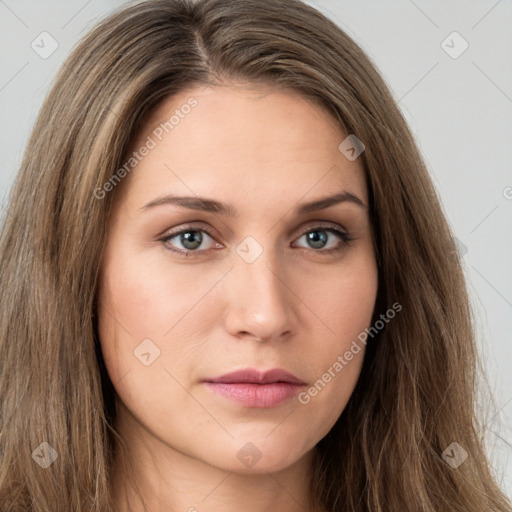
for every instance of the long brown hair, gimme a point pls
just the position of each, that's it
(417, 391)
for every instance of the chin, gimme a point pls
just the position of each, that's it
(261, 455)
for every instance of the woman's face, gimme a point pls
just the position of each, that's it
(261, 283)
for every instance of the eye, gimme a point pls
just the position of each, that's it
(321, 236)
(195, 240)
(191, 240)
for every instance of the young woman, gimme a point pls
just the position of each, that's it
(228, 283)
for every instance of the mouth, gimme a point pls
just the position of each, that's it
(254, 388)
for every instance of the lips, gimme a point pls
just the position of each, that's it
(254, 376)
(254, 388)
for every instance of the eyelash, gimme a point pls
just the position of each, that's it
(344, 244)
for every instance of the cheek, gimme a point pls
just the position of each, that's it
(147, 306)
(137, 319)
(146, 297)
(344, 302)
(343, 309)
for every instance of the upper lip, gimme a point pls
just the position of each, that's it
(253, 375)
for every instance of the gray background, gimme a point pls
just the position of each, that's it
(460, 110)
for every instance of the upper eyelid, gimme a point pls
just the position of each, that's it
(310, 225)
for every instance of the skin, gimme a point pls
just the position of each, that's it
(295, 307)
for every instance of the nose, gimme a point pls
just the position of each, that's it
(260, 300)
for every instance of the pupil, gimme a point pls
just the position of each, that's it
(189, 237)
(314, 238)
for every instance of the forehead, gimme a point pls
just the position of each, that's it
(246, 137)
(246, 114)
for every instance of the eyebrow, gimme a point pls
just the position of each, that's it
(213, 206)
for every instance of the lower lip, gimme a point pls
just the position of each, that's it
(256, 395)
